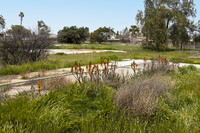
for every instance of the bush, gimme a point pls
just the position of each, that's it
(152, 46)
(22, 46)
(61, 53)
(139, 97)
(73, 35)
(101, 35)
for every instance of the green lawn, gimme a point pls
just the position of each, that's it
(133, 52)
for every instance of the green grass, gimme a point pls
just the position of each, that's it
(91, 108)
(96, 46)
(181, 112)
(61, 60)
(56, 62)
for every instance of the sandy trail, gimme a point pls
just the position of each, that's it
(80, 51)
(18, 78)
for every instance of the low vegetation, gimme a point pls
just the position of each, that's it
(169, 105)
(62, 60)
(139, 97)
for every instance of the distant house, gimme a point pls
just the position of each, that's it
(53, 37)
(141, 39)
(138, 40)
(113, 39)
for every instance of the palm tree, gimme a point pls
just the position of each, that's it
(134, 30)
(42, 27)
(21, 15)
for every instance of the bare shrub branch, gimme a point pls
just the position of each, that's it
(139, 97)
(21, 46)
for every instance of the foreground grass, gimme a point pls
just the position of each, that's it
(91, 108)
(133, 52)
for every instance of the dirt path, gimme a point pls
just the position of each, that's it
(80, 51)
(22, 77)
(18, 78)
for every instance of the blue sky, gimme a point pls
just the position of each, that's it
(117, 14)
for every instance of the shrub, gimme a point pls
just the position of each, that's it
(151, 46)
(139, 97)
(61, 53)
(22, 46)
(101, 35)
(73, 34)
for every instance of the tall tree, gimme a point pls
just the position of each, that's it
(43, 28)
(163, 19)
(153, 23)
(117, 34)
(124, 35)
(181, 27)
(101, 35)
(21, 15)
(134, 30)
(197, 33)
(198, 26)
(2, 22)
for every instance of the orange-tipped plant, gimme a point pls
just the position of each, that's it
(78, 71)
(108, 61)
(145, 59)
(39, 87)
(145, 63)
(134, 67)
(72, 69)
(93, 72)
(90, 65)
(159, 64)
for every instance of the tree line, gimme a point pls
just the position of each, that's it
(168, 19)
(77, 35)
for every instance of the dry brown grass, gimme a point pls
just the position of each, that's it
(139, 97)
(116, 80)
(55, 83)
